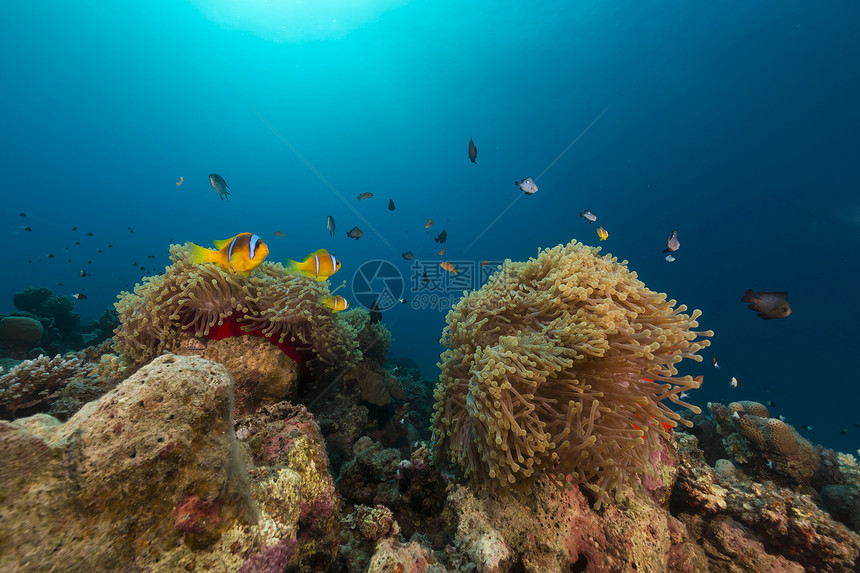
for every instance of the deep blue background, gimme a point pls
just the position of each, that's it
(734, 122)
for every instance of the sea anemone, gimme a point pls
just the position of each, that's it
(561, 365)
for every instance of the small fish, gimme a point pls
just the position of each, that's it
(74, 228)
(83, 273)
(806, 427)
(473, 151)
(337, 303)
(391, 204)
(354, 233)
(670, 258)
(219, 185)
(80, 296)
(22, 214)
(375, 313)
(527, 186)
(428, 224)
(279, 234)
(50, 255)
(700, 379)
(781, 418)
(91, 235)
(684, 395)
(441, 237)
(28, 229)
(588, 215)
(319, 265)
(843, 431)
(240, 254)
(408, 255)
(736, 415)
(672, 243)
(449, 267)
(329, 224)
(771, 403)
(181, 179)
(602, 233)
(402, 301)
(717, 366)
(365, 196)
(768, 305)
(442, 252)
(734, 382)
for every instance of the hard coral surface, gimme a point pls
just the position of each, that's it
(152, 477)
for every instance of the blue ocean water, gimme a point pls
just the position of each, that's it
(735, 123)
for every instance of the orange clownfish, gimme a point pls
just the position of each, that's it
(240, 254)
(449, 267)
(319, 265)
(602, 233)
(337, 303)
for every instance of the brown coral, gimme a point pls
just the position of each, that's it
(37, 381)
(561, 364)
(204, 300)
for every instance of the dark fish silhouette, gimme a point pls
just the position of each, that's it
(473, 151)
(408, 255)
(768, 305)
(391, 204)
(672, 244)
(354, 233)
(442, 237)
(375, 313)
(329, 223)
(219, 185)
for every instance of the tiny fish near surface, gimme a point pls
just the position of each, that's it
(355, 233)
(329, 223)
(473, 151)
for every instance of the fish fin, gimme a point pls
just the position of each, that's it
(245, 274)
(749, 296)
(777, 294)
(764, 316)
(220, 244)
(666, 250)
(292, 266)
(201, 254)
(319, 278)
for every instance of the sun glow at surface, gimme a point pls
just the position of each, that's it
(295, 21)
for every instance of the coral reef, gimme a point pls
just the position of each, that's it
(734, 517)
(561, 365)
(20, 332)
(56, 313)
(751, 437)
(262, 373)
(35, 382)
(206, 301)
(152, 477)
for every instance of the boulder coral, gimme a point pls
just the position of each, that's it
(563, 364)
(206, 301)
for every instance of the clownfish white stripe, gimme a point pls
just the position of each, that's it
(317, 263)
